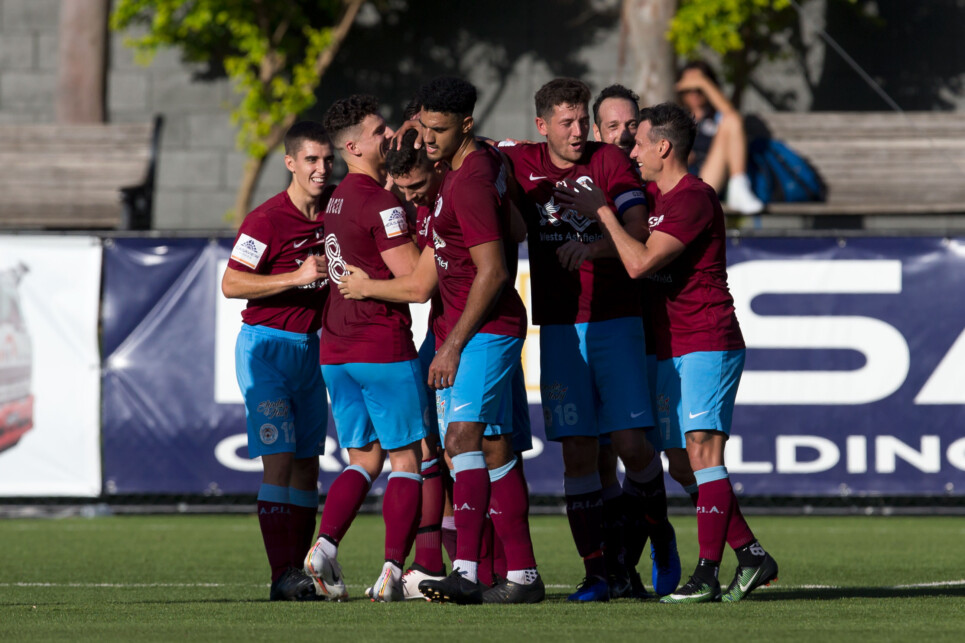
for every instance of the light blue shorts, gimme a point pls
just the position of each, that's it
(593, 378)
(427, 351)
(483, 389)
(283, 389)
(383, 402)
(696, 392)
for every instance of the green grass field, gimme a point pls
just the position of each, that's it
(204, 578)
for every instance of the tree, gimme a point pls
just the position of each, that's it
(644, 45)
(274, 52)
(82, 54)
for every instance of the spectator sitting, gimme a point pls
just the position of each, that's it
(720, 149)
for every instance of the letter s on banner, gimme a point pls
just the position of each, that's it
(884, 348)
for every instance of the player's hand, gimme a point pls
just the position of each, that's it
(353, 282)
(586, 199)
(396, 141)
(572, 253)
(442, 370)
(312, 269)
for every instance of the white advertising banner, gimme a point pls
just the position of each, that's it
(49, 366)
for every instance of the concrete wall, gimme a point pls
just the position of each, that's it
(508, 54)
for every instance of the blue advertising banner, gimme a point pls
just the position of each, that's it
(854, 384)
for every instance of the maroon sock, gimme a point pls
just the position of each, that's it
(484, 571)
(585, 513)
(713, 515)
(428, 540)
(449, 542)
(342, 503)
(738, 531)
(510, 513)
(470, 501)
(274, 518)
(303, 533)
(401, 507)
(500, 568)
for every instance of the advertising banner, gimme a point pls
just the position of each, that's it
(49, 366)
(854, 383)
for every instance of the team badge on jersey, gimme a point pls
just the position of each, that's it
(268, 433)
(394, 222)
(248, 251)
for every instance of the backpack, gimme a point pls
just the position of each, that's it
(778, 173)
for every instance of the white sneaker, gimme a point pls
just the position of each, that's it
(325, 573)
(388, 588)
(411, 579)
(740, 197)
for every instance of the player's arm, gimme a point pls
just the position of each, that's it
(416, 287)
(640, 258)
(238, 284)
(491, 277)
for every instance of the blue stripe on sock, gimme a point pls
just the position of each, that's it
(582, 484)
(500, 472)
(429, 463)
(467, 461)
(356, 467)
(405, 474)
(710, 474)
(273, 493)
(303, 497)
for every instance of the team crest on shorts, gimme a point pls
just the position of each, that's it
(663, 404)
(268, 433)
(556, 391)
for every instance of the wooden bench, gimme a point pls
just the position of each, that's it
(78, 176)
(875, 163)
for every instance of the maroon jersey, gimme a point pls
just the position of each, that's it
(598, 290)
(362, 221)
(471, 210)
(693, 309)
(424, 239)
(276, 238)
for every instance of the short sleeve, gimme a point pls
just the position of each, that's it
(476, 204)
(690, 214)
(253, 246)
(389, 225)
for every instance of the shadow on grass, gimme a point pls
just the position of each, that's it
(837, 593)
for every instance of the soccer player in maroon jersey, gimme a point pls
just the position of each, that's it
(368, 358)
(700, 349)
(593, 372)
(480, 337)
(616, 116)
(278, 265)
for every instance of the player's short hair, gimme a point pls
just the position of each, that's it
(411, 109)
(347, 113)
(674, 123)
(706, 69)
(399, 162)
(561, 91)
(303, 131)
(448, 95)
(615, 91)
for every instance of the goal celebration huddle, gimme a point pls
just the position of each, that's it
(640, 349)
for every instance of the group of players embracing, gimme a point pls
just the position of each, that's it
(621, 239)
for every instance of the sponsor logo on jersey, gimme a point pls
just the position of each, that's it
(655, 221)
(437, 243)
(394, 222)
(438, 209)
(550, 214)
(275, 408)
(268, 433)
(248, 251)
(556, 391)
(334, 206)
(318, 283)
(336, 265)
